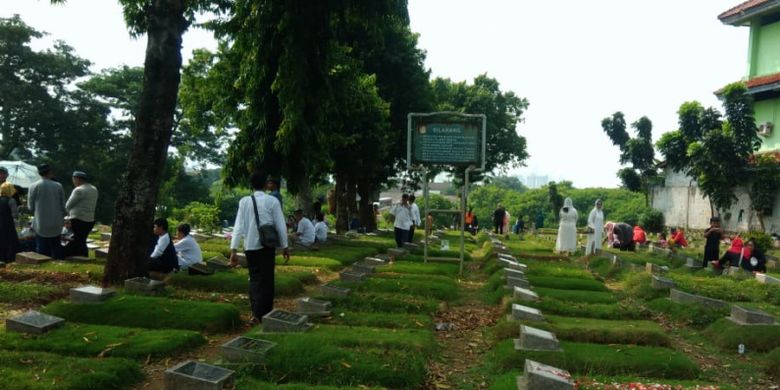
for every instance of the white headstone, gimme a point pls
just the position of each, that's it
(520, 312)
(538, 376)
(533, 339)
(745, 316)
(525, 294)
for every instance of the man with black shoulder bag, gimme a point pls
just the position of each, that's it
(260, 222)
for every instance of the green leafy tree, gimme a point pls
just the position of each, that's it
(764, 186)
(508, 182)
(713, 151)
(637, 151)
(554, 199)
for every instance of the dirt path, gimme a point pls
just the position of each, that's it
(464, 344)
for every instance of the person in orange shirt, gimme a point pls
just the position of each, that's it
(469, 220)
(639, 235)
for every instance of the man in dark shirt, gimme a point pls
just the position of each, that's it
(498, 219)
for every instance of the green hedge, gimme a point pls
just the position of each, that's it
(93, 340)
(43, 371)
(153, 313)
(601, 359)
(285, 283)
(728, 336)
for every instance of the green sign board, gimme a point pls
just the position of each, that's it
(440, 143)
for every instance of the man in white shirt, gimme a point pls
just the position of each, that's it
(261, 261)
(163, 258)
(403, 220)
(304, 234)
(415, 218)
(320, 228)
(187, 249)
(81, 208)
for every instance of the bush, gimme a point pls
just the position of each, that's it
(652, 221)
(764, 241)
(203, 216)
(728, 336)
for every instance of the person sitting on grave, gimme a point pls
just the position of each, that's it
(187, 249)
(320, 228)
(662, 240)
(67, 232)
(639, 235)
(678, 239)
(163, 257)
(304, 232)
(732, 255)
(748, 258)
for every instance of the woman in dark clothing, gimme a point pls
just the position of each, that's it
(9, 241)
(713, 235)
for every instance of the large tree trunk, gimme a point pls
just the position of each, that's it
(351, 192)
(303, 200)
(342, 214)
(366, 206)
(132, 228)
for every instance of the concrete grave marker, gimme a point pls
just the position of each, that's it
(411, 246)
(218, 263)
(285, 321)
(202, 269)
(764, 278)
(525, 294)
(514, 265)
(33, 322)
(312, 307)
(200, 237)
(396, 252)
(513, 273)
(745, 316)
(538, 376)
(31, 258)
(352, 276)
(507, 256)
(364, 268)
(374, 261)
(334, 291)
(192, 375)
(520, 312)
(684, 297)
(382, 256)
(532, 339)
(144, 286)
(652, 268)
(737, 272)
(79, 259)
(660, 283)
(105, 236)
(245, 349)
(93, 246)
(91, 294)
(692, 263)
(101, 253)
(512, 282)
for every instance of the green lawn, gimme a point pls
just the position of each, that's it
(237, 281)
(153, 313)
(590, 330)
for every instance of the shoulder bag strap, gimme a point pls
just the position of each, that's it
(257, 217)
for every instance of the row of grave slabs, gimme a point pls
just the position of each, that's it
(540, 376)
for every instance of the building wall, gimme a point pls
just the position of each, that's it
(683, 204)
(764, 48)
(769, 111)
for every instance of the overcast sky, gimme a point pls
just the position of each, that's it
(575, 61)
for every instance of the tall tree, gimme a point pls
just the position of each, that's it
(713, 151)
(637, 151)
(554, 199)
(164, 22)
(764, 185)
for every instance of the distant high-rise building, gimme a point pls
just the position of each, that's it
(535, 181)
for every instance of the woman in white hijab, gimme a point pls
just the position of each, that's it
(567, 230)
(596, 228)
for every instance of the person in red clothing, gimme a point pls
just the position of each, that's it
(678, 239)
(639, 235)
(733, 254)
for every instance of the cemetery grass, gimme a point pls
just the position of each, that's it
(726, 288)
(24, 292)
(248, 382)
(151, 313)
(104, 341)
(576, 295)
(694, 315)
(728, 336)
(589, 330)
(39, 370)
(772, 365)
(562, 283)
(508, 381)
(600, 359)
(406, 284)
(379, 320)
(605, 311)
(403, 267)
(383, 302)
(285, 283)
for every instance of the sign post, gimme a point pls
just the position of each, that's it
(446, 139)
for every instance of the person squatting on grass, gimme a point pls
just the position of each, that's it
(187, 249)
(403, 220)
(163, 256)
(260, 260)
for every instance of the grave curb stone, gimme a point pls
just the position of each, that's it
(525, 294)
(79, 259)
(105, 236)
(396, 252)
(312, 307)
(22, 323)
(768, 279)
(334, 291)
(533, 339)
(273, 324)
(101, 253)
(353, 276)
(512, 282)
(515, 273)
(746, 316)
(376, 261)
(520, 312)
(411, 246)
(653, 268)
(538, 376)
(692, 264)
(31, 258)
(144, 286)
(235, 350)
(364, 268)
(684, 297)
(218, 263)
(91, 294)
(176, 379)
(661, 283)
